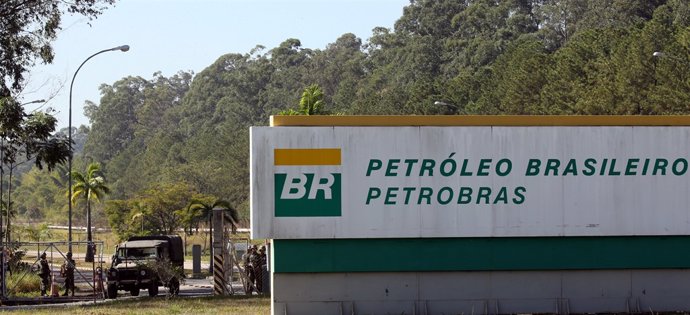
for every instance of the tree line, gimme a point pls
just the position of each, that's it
(163, 141)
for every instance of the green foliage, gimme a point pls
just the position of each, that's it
(167, 272)
(155, 211)
(89, 185)
(201, 209)
(37, 233)
(311, 103)
(30, 136)
(166, 141)
(118, 214)
(23, 282)
(27, 28)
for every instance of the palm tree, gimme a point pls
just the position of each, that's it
(139, 211)
(89, 186)
(38, 233)
(198, 210)
(311, 102)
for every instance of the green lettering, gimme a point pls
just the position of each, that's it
(484, 193)
(465, 195)
(447, 200)
(408, 191)
(590, 167)
(425, 193)
(612, 170)
(645, 167)
(428, 165)
(410, 163)
(660, 165)
(374, 165)
(463, 171)
(603, 167)
(484, 164)
(374, 193)
(571, 168)
(552, 165)
(508, 167)
(392, 166)
(631, 167)
(392, 192)
(533, 167)
(684, 168)
(520, 198)
(502, 196)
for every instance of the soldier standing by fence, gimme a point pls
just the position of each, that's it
(67, 271)
(249, 269)
(258, 261)
(44, 273)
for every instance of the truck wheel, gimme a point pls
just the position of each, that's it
(112, 291)
(153, 289)
(134, 291)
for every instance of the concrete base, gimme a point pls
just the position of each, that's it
(497, 292)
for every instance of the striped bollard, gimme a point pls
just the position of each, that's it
(218, 253)
(218, 275)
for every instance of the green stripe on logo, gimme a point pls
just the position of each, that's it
(307, 195)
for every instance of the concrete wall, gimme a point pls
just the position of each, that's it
(495, 292)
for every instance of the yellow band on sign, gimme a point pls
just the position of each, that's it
(306, 156)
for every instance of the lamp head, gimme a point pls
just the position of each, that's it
(658, 54)
(123, 48)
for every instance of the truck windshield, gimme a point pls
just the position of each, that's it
(137, 253)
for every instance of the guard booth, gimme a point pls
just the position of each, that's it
(474, 214)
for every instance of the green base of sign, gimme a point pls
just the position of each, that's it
(482, 254)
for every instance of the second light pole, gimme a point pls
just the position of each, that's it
(89, 247)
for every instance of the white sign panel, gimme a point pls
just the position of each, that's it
(388, 182)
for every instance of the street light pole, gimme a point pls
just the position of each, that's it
(123, 48)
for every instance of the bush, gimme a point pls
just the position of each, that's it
(167, 273)
(23, 282)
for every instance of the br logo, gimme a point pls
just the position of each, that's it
(307, 183)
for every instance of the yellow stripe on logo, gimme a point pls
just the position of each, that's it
(306, 156)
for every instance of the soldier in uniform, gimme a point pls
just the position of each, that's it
(257, 263)
(44, 273)
(67, 271)
(249, 269)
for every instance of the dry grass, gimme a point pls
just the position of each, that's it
(160, 306)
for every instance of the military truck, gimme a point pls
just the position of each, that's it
(146, 262)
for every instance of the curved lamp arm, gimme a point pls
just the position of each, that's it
(122, 48)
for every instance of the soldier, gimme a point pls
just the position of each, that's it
(44, 273)
(67, 271)
(257, 264)
(259, 260)
(248, 269)
(98, 279)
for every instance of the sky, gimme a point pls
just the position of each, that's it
(186, 35)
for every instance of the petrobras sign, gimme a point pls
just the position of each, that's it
(390, 182)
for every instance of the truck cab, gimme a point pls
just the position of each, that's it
(146, 262)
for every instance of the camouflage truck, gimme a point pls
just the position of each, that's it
(146, 262)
